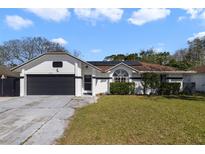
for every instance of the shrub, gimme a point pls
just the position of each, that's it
(122, 88)
(150, 80)
(168, 88)
(189, 88)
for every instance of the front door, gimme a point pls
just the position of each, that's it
(88, 83)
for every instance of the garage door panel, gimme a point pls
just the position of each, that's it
(51, 85)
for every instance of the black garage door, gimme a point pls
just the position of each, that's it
(50, 85)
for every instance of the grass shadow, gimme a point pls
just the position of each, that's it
(185, 97)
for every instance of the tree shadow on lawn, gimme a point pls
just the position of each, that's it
(186, 97)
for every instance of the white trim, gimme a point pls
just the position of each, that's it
(169, 72)
(22, 85)
(121, 64)
(93, 82)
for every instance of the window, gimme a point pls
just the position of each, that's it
(120, 76)
(163, 77)
(87, 82)
(57, 64)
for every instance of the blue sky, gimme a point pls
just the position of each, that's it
(101, 32)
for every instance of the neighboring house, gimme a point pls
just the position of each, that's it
(197, 78)
(9, 84)
(59, 73)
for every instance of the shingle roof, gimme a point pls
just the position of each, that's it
(153, 67)
(7, 72)
(113, 63)
(140, 66)
(199, 69)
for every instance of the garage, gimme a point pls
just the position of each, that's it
(51, 84)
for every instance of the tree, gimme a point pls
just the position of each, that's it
(183, 59)
(180, 54)
(118, 57)
(195, 52)
(4, 56)
(77, 53)
(18, 51)
(162, 58)
(132, 57)
(151, 56)
(181, 65)
(148, 55)
(150, 80)
(109, 58)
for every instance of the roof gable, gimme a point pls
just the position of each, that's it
(122, 63)
(64, 54)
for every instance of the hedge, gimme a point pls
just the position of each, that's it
(122, 88)
(168, 88)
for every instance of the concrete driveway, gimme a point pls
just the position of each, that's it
(37, 119)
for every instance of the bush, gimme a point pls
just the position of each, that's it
(168, 88)
(150, 80)
(122, 88)
(189, 88)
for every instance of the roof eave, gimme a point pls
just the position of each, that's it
(12, 69)
(170, 72)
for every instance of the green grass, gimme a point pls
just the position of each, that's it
(139, 120)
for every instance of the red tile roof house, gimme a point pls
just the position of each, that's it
(59, 73)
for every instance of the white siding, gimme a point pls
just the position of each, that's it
(47, 68)
(78, 81)
(102, 86)
(138, 86)
(98, 85)
(22, 85)
(199, 80)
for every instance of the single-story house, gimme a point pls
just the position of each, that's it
(9, 84)
(197, 78)
(59, 73)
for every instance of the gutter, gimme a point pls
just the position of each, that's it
(169, 72)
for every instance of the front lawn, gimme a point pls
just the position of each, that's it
(139, 120)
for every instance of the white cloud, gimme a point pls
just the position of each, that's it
(159, 47)
(160, 44)
(92, 15)
(181, 18)
(197, 35)
(203, 15)
(60, 41)
(95, 50)
(55, 15)
(17, 22)
(194, 13)
(143, 16)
